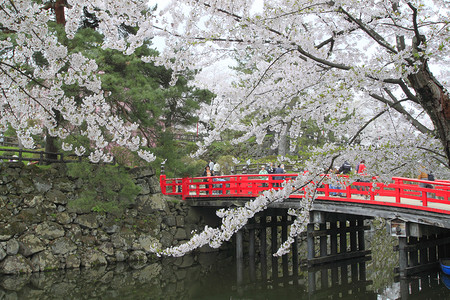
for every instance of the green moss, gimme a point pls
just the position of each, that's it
(107, 188)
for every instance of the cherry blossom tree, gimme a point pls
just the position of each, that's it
(373, 71)
(35, 69)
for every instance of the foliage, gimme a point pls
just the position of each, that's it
(349, 67)
(226, 163)
(108, 188)
(86, 83)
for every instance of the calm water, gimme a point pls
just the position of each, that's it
(219, 276)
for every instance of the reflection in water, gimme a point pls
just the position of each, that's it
(218, 276)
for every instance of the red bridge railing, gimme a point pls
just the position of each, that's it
(402, 192)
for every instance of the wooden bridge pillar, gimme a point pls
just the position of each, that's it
(326, 230)
(420, 247)
(274, 241)
(263, 246)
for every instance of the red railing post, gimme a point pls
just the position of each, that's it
(397, 190)
(162, 184)
(184, 188)
(424, 197)
(210, 186)
(174, 185)
(327, 189)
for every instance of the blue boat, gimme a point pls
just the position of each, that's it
(446, 281)
(445, 266)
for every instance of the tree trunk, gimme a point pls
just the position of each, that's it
(50, 147)
(50, 141)
(434, 99)
(283, 144)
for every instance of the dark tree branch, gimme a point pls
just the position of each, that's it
(416, 28)
(367, 124)
(399, 108)
(372, 33)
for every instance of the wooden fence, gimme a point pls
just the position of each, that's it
(8, 141)
(37, 157)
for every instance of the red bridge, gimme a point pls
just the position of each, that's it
(401, 193)
(418, 216)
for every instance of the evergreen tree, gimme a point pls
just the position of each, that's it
(141, 92)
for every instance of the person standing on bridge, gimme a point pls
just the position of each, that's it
(424, 175)
(263, 171)
(279, 170)
(361, 170)
(346, 168)
(216, 169)
(207, 173)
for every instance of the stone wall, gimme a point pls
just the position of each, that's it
(39, 232)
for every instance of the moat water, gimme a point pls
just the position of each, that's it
(220, 276)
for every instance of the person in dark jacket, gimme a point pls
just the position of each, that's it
(346, 168)
(279, 170)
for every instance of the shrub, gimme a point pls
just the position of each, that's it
(107, 188)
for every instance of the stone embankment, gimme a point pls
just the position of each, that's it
(39, 231)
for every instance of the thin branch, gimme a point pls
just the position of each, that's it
(416, 28)
(372, 33)
(26, 92)
(433, 151)
(9, 105)
(367, 124)
(401, 110)
(392, 171)
(265, 72)
(23, 74)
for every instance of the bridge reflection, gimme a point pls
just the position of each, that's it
(342, 280)
(215, 277)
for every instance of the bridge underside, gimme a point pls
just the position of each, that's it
(386, 212)
(424, 239)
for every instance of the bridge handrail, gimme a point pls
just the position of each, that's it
(437, 181)
(401, 192)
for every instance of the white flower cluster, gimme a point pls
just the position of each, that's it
(35, 102)
(343, 64)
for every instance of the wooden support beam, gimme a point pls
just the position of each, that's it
(417, 269)
(339, 230)
(263, 247)
(342, 237)
(284, 237)
(323, 240)
(402, 256)
(439, 241)
(239, 245)
(295, 262)
(310, 241)
(274, 240)
(338, 257)
(333, 238)
(353, 241)
(361, 239)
